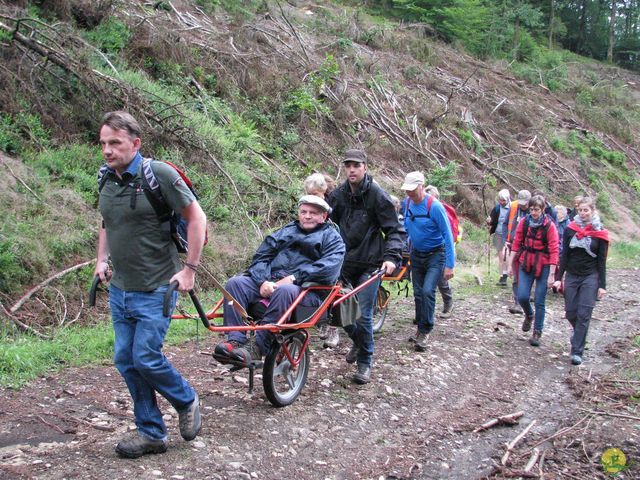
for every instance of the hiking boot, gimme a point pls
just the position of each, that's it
(446, 311)
(190, 421)
(363, 375)
(576, 359)
(412, 338)
(526, 323)
(516, 309)
(534, 341)
(420, 342)
(323, 331)
(246, 354)
(352, 354)
(333, 338)
(224, 350)
(502, 281)
(137, 445)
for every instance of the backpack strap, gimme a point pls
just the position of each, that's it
(545, 230)
(412, 216)
(102, 177)
(151, 188)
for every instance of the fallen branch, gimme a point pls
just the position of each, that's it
(21, 181)
(562, 431)
(510, 473)
(22, 326)
(511, 445)
(510, 419)
(595, 412)
(51, 425)
(533, 460)
(28, 295)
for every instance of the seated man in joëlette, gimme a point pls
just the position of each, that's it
(309, 249)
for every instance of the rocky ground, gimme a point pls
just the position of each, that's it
(415, 420)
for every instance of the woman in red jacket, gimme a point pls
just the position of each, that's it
(535, 249)
(584, 256)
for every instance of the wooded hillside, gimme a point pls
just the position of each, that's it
(250, 97)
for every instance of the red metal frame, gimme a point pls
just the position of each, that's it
(333, 299)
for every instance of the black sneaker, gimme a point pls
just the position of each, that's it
(244, 355)
(190, 421)
(516, 309)
(137, 445)
(224, 350)
(352, 354)
(363, 375)
(502, 282)
(526, 323)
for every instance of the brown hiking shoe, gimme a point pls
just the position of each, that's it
(446, 311)
(137, 445)
(534, 341)
(526, 323)
(190, 421)
(352, 354)
(420, 343)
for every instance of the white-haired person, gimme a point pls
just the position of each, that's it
(583, 264)
(321, 185)
(497, 221)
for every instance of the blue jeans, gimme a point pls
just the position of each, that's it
(140, 328)
(525, 282)
(426, 271)
(361, 333)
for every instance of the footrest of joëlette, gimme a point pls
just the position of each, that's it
(235, 366)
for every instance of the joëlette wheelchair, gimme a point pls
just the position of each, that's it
(286, 365)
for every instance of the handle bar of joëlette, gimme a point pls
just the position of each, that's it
(374, 276)
(93, 290)
(166, 305)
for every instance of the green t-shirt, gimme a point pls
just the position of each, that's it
(142, 251)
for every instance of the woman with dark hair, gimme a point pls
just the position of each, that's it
(584, 256)
(535, 249)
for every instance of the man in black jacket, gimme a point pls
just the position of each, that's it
(373, 236)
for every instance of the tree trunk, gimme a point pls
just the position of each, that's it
(552, 15)
(581, 30)
(612, 26)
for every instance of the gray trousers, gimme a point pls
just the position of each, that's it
(446, 292)
(580, 293)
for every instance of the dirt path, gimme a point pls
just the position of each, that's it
(415, 420)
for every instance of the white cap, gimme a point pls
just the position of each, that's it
(314, 200)
(412, 180)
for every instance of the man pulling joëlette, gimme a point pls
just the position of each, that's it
(145, 261)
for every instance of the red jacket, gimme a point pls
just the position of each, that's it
(532, 251)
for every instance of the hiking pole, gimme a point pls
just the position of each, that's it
(489, 255)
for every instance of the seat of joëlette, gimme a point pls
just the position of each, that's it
(301, 313)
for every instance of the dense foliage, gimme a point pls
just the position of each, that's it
(601, 29)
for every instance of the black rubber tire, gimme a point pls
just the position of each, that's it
(380, 309)
(282, 385)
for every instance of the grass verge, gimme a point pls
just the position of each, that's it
(24, 358)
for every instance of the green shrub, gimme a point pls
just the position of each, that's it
(110, 36)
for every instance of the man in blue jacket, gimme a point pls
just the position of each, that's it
(306, 250)
(432, 251)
